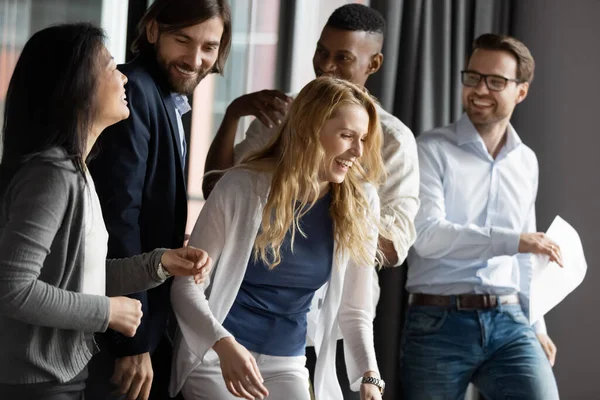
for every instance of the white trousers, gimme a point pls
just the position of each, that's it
(286, 378)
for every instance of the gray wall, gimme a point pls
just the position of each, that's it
(560, 121)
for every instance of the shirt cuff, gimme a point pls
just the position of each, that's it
(540, 326)
(505, 242)
(393, 234)
(222, 333)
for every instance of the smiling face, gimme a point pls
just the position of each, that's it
(342, 137)
(188, 54)
(483, 106)
(110, 92)
(349, 55)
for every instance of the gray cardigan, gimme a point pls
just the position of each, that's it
(46, 325)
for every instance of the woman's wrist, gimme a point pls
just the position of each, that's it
(218, 346)
(372, 378)
(373, 374)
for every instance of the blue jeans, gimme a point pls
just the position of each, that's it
(443, 349)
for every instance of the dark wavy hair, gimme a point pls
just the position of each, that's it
(51, 96)
(173, 15)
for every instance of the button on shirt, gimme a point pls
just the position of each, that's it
(473, 210)
(182, 106)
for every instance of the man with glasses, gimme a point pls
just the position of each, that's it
(470, 267)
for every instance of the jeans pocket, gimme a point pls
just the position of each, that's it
(516, 314)
(422, 320)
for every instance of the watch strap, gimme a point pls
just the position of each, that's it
(162, 272)
(374, 381)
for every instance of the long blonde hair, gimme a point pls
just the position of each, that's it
(295, 156)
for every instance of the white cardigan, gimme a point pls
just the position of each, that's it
(226, 229)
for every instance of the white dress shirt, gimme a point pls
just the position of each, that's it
(473, 211)
(182, 106)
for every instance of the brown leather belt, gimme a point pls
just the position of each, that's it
(462, 301)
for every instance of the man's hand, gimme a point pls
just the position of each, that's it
(133, 375)
(269, 106)
(389, 252)
(187, 261)
(369, 391)
(548, 346)
(539, 243)
(240, 372)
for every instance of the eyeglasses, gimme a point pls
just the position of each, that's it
(495, 83)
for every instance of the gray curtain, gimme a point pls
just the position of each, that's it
(426, 44)
(425, 47)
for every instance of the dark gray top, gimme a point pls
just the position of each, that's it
(45, 324)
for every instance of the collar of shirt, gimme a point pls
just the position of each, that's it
(181, 103)
(467, 133)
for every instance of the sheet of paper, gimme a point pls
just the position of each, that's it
(550, 283)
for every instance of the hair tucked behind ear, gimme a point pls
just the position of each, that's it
(295, 156)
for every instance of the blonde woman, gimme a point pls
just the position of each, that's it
(299, 214)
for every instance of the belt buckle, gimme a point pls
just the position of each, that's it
(459, 306)
(486, 301)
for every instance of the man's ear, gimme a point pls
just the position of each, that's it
(375, 63)
(523, 90)
(152, 31)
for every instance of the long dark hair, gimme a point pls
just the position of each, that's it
(51, 96)
(173, 15)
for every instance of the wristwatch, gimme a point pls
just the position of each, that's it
(371, 380)
(162, 272)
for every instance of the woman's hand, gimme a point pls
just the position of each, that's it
(368, 391)
(124, 315)
(187, 261)
(240, 372)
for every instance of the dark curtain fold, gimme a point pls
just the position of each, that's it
(425, 48)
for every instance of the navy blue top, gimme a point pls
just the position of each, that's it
(269, 312)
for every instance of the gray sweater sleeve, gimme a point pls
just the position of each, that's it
(37, 204)
(133, 274)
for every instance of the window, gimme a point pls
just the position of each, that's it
(19, 19)
(250, 67)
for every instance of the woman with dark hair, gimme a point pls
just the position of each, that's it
(54, 276)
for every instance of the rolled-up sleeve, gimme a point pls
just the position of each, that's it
(257, 136)
(399, 194)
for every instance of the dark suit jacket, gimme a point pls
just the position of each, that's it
(138, 173)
